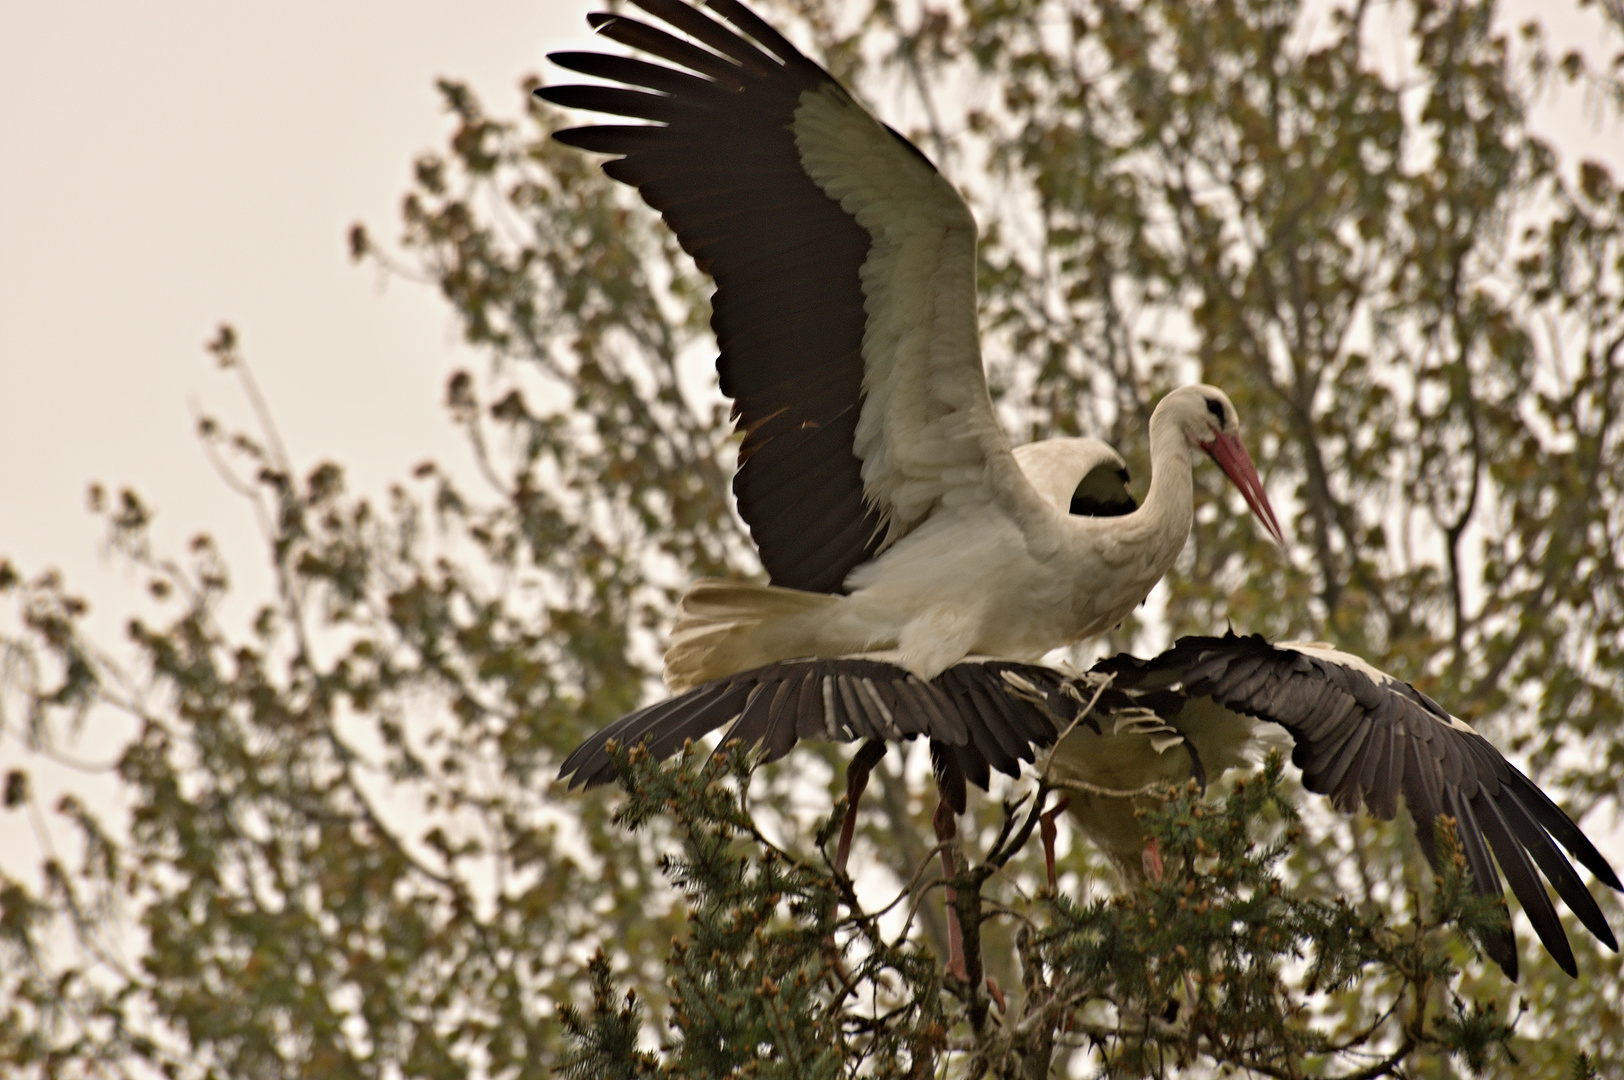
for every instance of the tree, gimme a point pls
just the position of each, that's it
(343, 855)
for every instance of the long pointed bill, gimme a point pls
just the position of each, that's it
(1232, 457)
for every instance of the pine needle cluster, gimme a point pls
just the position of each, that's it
(780, 972)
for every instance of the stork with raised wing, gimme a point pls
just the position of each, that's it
(891, 514)
(892, 517)
(889, 511)
(906, 543)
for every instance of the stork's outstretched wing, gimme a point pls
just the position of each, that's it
(986, 715)
(845, 282)
(1363, 737)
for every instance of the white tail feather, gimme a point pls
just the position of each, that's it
(724, 627)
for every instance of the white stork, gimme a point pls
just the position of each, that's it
(1360, 736)
(902, 535)
(890, 513)
(1204, 706)
(892, 517)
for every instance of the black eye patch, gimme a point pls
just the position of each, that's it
(1217, 409)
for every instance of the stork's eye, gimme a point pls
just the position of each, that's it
(1216, 407)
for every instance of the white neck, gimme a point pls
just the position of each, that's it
(1163, 520)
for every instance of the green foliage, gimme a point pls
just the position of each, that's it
(1234, 959)
(337, 853)
(763, 981)
(1213, 963)
(606, 1037)
(757, 920)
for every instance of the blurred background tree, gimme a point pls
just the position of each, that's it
(340, 851)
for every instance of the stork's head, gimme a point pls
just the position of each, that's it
(1208, 420)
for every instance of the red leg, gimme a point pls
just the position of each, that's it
(946, 830)
(857, 773)
(1151, 857)
(1046, 831)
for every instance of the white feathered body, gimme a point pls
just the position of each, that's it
(972, 580)
(1101, 770)
(980, 556)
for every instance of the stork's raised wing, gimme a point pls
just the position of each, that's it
(845, 281)
(1363, 737)
(986, 715)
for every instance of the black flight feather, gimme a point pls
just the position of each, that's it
(721, 165)
(1364, 737)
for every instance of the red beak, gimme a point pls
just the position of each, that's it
(1232, 457)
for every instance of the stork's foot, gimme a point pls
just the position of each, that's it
(1046, 831)
(857, 773)
(1151, 859)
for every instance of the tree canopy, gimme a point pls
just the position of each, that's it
(343, 852)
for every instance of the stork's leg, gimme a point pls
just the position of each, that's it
(1151, 858)
(1046, 831)
(857, 773)
(946, 830)
(862, 763)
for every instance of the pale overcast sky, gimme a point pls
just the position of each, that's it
(174, 163)
(171, 164)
